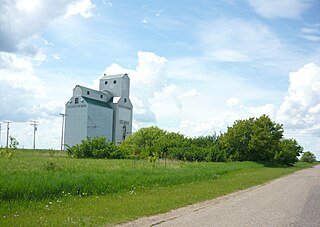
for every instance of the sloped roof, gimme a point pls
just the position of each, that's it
(89, 89)
(114, 76)
(96, 102)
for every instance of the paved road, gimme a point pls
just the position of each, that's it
(293, 200)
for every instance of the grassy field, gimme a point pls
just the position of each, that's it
(42, 188)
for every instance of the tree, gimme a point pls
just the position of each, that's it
(204, 141)
(266, 136)
(288, 152)
(153, 142)
(253, 139)
(235, 142)
(308, 157)
(145, 140)
(13, 143)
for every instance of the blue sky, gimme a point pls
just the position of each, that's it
(195, 66)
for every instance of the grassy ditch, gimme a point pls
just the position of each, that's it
(42, 188)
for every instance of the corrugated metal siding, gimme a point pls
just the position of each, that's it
(100, 121)
(75, 124)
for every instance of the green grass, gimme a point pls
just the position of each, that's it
(37, 189)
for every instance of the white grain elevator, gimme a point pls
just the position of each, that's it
(104, 113)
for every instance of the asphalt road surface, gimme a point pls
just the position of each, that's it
(293, 200)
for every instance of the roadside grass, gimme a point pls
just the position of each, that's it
(34, 175)
(97, 192)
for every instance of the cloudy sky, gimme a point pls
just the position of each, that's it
(195, 66)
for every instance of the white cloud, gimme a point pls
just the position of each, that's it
(230, 56)
(24, 95)
(280, 9)
(21, 21)
(145, 21)
(56, 56)
(236, 40)
(233, 101)
(311, 32)
(268, 109)
(19, 88)
(49, 108)
(200, 127)
(313, 38)
(190, 93)
(208, 126)
(164, 100)
(159, 98)
(315, 29)
(82, 8)
(138, 105)
(300, 108)
(158, 14)
(107, 3)
(187, 69)
(114, 69)
(19, 74)
(148, 77)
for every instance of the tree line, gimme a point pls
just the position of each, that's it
(254, 139)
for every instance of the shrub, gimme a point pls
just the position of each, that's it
(308, 157)
(288, 151)
(215, 154)
(97, 147)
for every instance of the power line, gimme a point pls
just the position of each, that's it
(63, 116)
(304, 134)
(35, 124)
(8, 128)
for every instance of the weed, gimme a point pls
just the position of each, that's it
(52, 152)
(6, 152)
(50, 166)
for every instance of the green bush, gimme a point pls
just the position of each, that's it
(148, 141)
(259, 139)
(97, 147)
(308, 157)
(215, 154)
(254, 139)
(288, 151)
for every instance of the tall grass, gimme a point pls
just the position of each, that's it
(45, 189)
(31, 175)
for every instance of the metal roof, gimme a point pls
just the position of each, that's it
(96, 102)
(114, 76)
(89, 89)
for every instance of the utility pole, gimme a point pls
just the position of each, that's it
(63, 116)
(8, 128)
(35, 124)
(0, 135)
